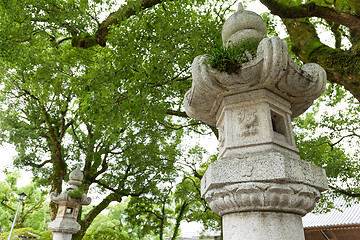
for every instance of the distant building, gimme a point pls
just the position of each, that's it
(342, 224)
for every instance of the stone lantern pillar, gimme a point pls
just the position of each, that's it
(258, 184)
(65, 223)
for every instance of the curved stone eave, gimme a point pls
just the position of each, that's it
(271, 69)
(64, 197)
(210, 86)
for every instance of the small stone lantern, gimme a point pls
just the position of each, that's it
(258, 184)
(65, 223)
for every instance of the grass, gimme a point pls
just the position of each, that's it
(229, 59)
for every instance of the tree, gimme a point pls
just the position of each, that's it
(106, 234)
(112, 219)
(331, 140)
(100, 95)
(162, 213)
(159, 215)
(30, 208)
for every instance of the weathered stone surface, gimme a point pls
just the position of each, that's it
(275, 167)
(262, 196)
(262, 226)
(254, 121)
(65, 223)
(62, 236)
(272, 69)
(75, 178)
(243, 25)
(258, 184)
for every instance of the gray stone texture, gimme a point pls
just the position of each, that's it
(65, 223)
(272, 69)
(262, 226)
(273, 167)
(61, 236)
(258, 184)
(240, 27)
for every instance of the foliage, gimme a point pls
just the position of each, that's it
(99, 96)
(76, 193)
(31, 212)
(105, 95)
(229, 59)
(45, 235)
(113, 218)
(189, 191)
(338, 51)
(159, 215)
(331, 140)
(105, 234)
(151, 214)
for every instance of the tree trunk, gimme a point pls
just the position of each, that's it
(88, 219)
(178, 219)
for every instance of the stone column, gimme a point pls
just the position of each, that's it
(258, 184)
(65, 223)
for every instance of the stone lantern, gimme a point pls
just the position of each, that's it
(258, 184)
(65, 223)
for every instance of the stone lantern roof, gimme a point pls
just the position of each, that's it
(26, 235)
(75, 180)
(271, 69)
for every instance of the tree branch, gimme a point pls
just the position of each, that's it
(177, 113)
(85, 223)
(346, 192)
(124, 12)
(342, 67)
(7, 206)
(41, 164)
(310, 9)
(104, 167)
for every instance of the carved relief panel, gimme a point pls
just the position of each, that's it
(249, 122)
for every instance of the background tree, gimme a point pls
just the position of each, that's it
(100, 94)
(30, 209)
(331, 139)
(160, 214)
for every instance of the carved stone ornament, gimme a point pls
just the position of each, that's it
(64, 197)
(75, 180)
(63, 225)
(258, 184)
(265, 197)
(272, 69)
(249, 122)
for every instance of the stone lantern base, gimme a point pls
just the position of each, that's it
(263, 225)
(62, 236)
